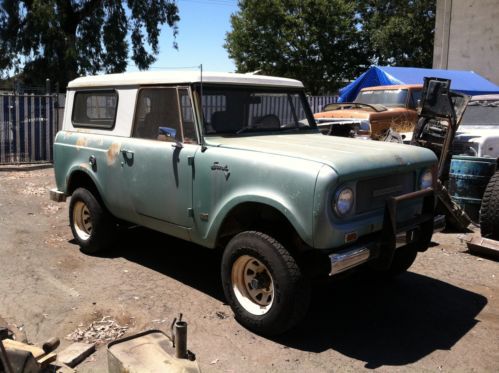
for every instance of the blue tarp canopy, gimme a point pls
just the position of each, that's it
(466, 82)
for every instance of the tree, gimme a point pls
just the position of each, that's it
(399, 32)
(315, 41)
(326, 43)
(61, 39)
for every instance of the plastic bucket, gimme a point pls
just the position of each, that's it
(468, 179)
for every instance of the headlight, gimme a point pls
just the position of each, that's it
(343, 201)
(426, 179)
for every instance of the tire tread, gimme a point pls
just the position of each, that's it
(103, 230)
(489, 212)
(300, 298)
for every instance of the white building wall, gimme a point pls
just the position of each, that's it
(467, 37)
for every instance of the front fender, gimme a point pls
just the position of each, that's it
(300, 220)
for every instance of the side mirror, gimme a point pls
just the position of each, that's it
(436, 99)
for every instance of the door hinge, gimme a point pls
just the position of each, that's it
(190, 161)
(190, 212)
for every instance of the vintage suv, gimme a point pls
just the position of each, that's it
(235, 162)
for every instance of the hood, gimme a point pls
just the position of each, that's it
(359, 113)
(348, 157)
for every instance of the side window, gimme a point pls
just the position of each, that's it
(95, 109)
(188, 123)
(165, 114)
(157, 115)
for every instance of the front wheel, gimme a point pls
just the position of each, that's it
(263, 284)
(90, 222)
(403, 259)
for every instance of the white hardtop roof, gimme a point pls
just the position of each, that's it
(493, 97)
(179, 77)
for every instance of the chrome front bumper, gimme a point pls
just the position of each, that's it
(357, 255)
(393, 235)
(57, 196)
(350, 258)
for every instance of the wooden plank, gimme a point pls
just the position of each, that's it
(10, 344)
(483, 246)
(47, 359)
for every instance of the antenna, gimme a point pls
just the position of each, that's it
(201, 90)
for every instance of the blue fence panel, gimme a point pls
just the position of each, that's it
(28, 124)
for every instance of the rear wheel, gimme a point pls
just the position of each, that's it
(489, 212)
(263, 284)
(91, 224)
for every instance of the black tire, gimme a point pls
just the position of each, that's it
(489, 211)
(402, 260)
(290, 297)
(91, 224)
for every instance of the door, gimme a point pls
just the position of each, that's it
(158, 158)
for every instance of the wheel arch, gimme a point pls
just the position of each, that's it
(79, 177)
(263, 217)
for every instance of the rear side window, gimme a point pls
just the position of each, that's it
(95, 109)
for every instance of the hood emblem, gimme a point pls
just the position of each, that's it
(218, 167)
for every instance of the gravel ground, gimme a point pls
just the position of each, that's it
(443, 315)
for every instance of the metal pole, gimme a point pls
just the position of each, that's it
(180, 340)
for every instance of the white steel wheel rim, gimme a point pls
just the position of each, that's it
(253, 285)
(82, 221)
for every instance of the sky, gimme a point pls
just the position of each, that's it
(201, 36)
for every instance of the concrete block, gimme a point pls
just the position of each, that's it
(75, 353)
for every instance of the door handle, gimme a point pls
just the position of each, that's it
(127, 153)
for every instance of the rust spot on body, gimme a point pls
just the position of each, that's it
(81, 142)
(112, 153)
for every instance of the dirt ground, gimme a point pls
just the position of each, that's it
(443, 315)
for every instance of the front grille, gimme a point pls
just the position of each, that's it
(372, 193)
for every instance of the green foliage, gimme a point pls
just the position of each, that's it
(61, 39)
(316, 41)
(399, 32)
(325, 43)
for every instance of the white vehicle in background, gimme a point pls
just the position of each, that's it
(478, 136)
(478, 133)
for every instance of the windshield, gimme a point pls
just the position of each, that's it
(234, 110)
(485, 113)
(389, 97)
